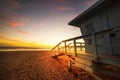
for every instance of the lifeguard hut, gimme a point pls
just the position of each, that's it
(98, 49)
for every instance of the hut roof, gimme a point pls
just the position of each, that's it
(91, 11)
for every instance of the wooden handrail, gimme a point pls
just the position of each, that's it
(56, 46)
(113, 29)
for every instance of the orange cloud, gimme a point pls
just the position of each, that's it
(16, 24)
(12, 22)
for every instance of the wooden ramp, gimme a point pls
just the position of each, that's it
(95, 63)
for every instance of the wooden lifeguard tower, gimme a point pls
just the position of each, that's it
(98, 49)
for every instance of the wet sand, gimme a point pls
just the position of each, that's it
(37, 65)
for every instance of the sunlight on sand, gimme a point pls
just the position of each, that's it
(36, 65)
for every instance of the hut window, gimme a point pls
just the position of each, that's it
(90, 28)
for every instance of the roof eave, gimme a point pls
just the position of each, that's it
(93, 9)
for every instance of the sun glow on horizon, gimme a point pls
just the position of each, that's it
(47, 40)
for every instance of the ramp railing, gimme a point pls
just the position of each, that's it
(77, 44)
(76, 51)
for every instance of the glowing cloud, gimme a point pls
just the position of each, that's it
(16, 24)
(12, 22)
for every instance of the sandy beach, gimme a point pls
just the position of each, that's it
(36, 65)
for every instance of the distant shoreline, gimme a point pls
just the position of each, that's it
(24, 49)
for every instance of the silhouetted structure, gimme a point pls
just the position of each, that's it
(100, 27)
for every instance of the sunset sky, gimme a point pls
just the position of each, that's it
(39, 23)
